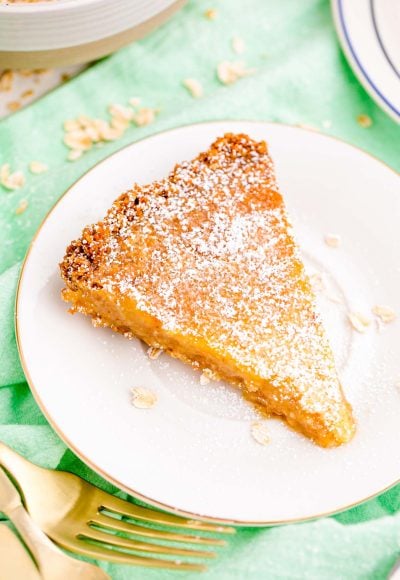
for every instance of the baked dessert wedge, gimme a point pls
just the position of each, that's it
(203, 264)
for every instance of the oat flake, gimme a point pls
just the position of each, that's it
(38, 167)
(384, 313)
(332, 240)
(259, 432)
(358, 321)
(238, 45)
(364, 121)
(153, 353)
(194, 87)
(230, 72)
(22, 206)
(211, 14)
(143, 398)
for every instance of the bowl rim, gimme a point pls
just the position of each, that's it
(44, 6)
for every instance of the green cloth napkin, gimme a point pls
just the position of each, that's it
(301, 77)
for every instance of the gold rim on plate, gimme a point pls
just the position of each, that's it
(86, 460)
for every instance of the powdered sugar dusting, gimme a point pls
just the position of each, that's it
(209, 252)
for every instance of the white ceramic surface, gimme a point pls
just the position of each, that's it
(67, 23)
(193, 451)
(369, 32)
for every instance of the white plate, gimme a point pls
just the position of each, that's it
(369, 31)
(193, 451)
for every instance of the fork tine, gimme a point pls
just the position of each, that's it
(93, 550)
(119, 506)
(129, 544)
(117, 525)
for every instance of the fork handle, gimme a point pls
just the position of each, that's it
(50, 560)
(21, 469)
(46, 556)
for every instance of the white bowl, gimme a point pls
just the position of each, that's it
(61, 32)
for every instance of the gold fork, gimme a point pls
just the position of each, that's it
(86, 520)
(49, 560)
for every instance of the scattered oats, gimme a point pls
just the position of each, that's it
(144, 117)
(238, 45)
(307, 126)
(204, 379)
(21, 207)
(74, 154)
(259, 432)
(6, 80)
(10, 180)
(208, 375)
(38, 167)
(82, 133)
(135, 101)
(78, 140)
(153, 353)
(71, 125)
(358, 321)
(108, 133)
(119, 124)
(93, 132)
(13, 106)
(317, 282)
(327, 124)
(230, 72)
(194, 87)
(211, 14)
(379, 325)
(364, 121)
(84, 121)
(143, 398)
(384, 313)
(121, 112)
(332, 240)
(333, 297)
(4, 171)
(26, 94)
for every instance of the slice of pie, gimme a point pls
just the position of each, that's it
(203, 265)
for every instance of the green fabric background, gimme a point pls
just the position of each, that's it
(301, 77)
